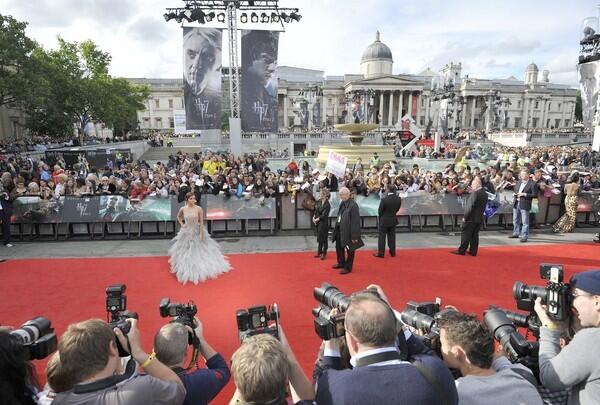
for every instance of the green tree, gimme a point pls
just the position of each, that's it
(15, 61)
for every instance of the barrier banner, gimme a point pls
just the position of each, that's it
(259, 81)
(202, 77)
(222, 207)
(35, 210)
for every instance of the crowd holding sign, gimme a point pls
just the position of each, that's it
(336, 164)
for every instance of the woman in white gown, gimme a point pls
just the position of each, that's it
(195, 256)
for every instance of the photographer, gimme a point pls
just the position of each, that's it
(89, 353)
(262, 369)
(468, 346)
(577, 366)
(380, 375)
(202, 385)
(17, 375)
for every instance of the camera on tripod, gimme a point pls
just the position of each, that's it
(556, 295)
(37, 338)
(116, 307)
(423, 316)
(183, 314)
(255, 320)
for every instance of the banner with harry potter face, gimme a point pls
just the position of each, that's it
(202, 77)
(259, 81)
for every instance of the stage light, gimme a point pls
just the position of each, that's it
(198, 15)
(169, 16)
(244, 18)
(210, 16)
(295, 16)
(285, 17)
(181, 16)
(221, 17)
(264, 18)
(254, 17)
(275, 17)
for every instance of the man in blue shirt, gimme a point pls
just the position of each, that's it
(202, 385)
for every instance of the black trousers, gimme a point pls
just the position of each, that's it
(5, 218)
(470, 236)
(345, 257)
(322, 248)
(390, 233)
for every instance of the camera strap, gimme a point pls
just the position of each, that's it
(196, 351)
(106, 382)
(433, 381)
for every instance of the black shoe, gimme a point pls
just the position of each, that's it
(317, 255)
(473, 254)
(378, 255)
(458, 252)
(337, 266)
(523, 240)
(393, 254)
(345, 271)
(323, 256)
(513, 237)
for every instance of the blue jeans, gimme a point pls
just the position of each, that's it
(521, 217)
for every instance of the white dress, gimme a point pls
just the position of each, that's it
(193, 259)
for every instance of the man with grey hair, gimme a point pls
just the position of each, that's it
(346, 233)
(203, 384)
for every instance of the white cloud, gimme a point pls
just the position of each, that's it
(491, 39)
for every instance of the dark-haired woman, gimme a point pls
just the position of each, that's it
(195, 256)
(321, 221)
(17, 376)
(566, 223)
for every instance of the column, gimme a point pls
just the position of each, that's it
(562, 119)
(380, 109)
(463, 115)
(418, 109)
(410, 96)
(286, 123)
(391, 110)
(472, 124)
(400, 105)
(525, 123)
(349, 118)
(324, 113)
(426, 110)
(546, 106)
(336, 101)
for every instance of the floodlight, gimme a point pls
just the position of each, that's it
(275, 17)
(285, 17)
(254, 17)
(198, 15)
(210, 16)
(264, 18)
(169, 16)
(244, 18)
(295, 16)
(221, 17)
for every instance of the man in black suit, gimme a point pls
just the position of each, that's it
(346, 233)
(380, 373)
(388, 208)
(525, 191)
(472, 219)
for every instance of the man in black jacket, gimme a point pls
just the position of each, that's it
(472, 219)
(346, 233)
(388, 208)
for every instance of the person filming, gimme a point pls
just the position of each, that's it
(577, 365)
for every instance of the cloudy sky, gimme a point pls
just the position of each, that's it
(491, 39)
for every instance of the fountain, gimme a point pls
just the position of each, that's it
(355, 133)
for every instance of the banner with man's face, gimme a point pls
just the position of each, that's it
(259, 81)
(589, 82)
(202, 77)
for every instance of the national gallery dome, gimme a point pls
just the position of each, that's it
(376, 59)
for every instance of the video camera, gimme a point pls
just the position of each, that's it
(37, 338)
(183, 314)
(423, 316)
(330, 327)
(556, 295)
(116, 307)
(255, 320)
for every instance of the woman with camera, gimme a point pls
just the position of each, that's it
(17, 375)
(321, 221)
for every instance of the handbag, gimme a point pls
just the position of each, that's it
(354, 246)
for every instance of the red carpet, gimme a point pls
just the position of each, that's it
(69, 290)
